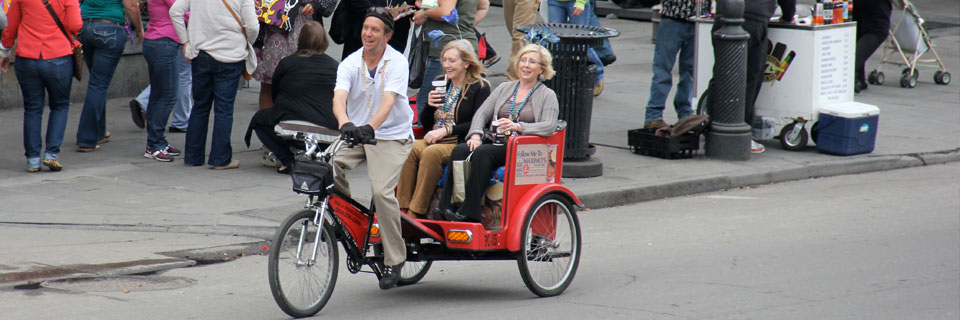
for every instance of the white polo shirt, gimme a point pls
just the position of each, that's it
(366, 92)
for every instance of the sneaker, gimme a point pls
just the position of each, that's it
(390, 276)
(655, 124)
(53, 164)
(756, 147)
(159, 155)
(136, 112)
(173, 129)
(608, 60)
(171, 151)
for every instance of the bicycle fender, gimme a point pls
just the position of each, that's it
(525, 204)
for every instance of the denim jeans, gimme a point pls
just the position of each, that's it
(605, 51)
(215, 86)
(37, 77)
(102, 47)
(181, 111)
(161, 56)
(562, 12)
(433, 69)
(673, 36)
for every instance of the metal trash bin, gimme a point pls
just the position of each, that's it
(574, 80)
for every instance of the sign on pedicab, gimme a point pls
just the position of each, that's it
(536, 163)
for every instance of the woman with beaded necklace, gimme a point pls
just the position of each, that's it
(448, 117)
(523, 107)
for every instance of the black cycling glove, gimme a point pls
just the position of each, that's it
(367, 134)
(350, 132)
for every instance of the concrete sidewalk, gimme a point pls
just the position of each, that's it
(115, 206)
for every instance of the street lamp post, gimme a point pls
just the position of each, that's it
(729, 136)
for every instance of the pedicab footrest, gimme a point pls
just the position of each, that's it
(644, 141)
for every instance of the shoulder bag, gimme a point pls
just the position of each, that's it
(417, 59)
(77, 49)
(251, 62)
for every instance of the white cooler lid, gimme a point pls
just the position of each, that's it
(850, 109)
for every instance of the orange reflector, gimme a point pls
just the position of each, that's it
(461, 236)
(375, 230)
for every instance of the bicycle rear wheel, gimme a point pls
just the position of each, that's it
(300, 285)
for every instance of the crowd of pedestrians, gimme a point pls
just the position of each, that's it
(194, 69)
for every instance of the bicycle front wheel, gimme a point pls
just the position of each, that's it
(302, 283)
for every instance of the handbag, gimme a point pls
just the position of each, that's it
(312, 178)
(77, 49)
(417, 58)
(326, 7)
(461, 171)
(338, 24)
(251, 62)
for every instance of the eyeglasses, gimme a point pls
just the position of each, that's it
(529, 61)
(381, 11)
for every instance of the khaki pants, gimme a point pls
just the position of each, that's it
(384, 161)
(418, 179)
(516, 13)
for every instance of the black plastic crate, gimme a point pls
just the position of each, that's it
(644, 141)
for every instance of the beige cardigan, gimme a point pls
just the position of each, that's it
(543, 102)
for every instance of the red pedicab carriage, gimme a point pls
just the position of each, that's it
(537, 226)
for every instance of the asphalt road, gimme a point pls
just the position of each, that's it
(883, 245)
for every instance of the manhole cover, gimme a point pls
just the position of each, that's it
(120, 283)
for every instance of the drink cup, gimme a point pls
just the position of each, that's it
(441, 87)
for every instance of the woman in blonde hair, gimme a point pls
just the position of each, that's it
(447, 116)
(524, 107)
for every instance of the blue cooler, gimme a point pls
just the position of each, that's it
(847, 128)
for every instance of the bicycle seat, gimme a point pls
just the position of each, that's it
(300, 130)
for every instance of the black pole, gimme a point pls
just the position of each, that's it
(729, 136)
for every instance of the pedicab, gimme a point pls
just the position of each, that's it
(534, 222)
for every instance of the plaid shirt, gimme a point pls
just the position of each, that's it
(683, 9)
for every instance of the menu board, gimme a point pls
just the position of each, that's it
(836, 66)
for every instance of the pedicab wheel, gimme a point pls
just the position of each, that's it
(551, 246)
(302, 287)
(941, 77)
(413, 271)
(872, 77)
(880, 78)
(793, 143)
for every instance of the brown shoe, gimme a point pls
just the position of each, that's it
(597, 88)
(88, 149)
(105, 139)
(654, 124)
(54, 165)
(232, 165)
(32, 170)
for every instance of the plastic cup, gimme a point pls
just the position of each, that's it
(440, 86)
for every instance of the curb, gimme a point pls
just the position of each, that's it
(637, 194)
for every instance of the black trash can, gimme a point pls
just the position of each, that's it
(574, 80)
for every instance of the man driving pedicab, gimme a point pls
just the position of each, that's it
(370, 104)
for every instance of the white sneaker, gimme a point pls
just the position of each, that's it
(756, 147)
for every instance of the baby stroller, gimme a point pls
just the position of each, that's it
(909, 38)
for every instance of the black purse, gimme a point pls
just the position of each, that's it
(338, 24)
(417, 58)
(312, 178)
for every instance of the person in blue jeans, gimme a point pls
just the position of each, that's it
(44, 65)
(674, 35)
(161, 56)
(577, 12)
(605, 51)
(218, 51)
(103, 39)
(181, 111)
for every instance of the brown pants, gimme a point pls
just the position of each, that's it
(384, 161)
(516, 13)
(418, 179)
